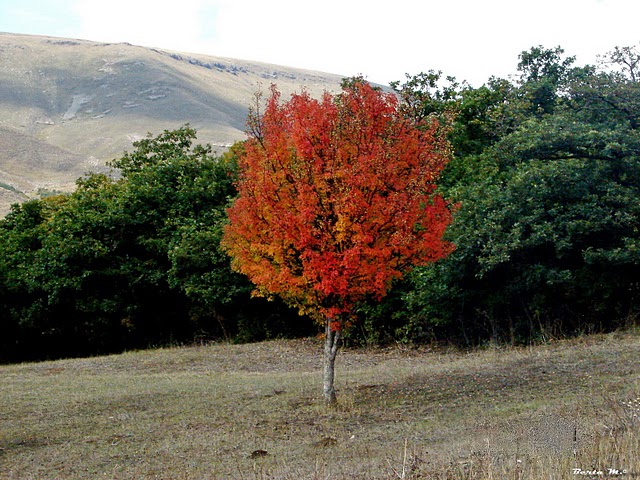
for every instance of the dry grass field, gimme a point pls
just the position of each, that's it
(556, 411)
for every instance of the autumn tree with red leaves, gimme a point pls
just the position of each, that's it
(336, 200)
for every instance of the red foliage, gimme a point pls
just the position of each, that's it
(336, 199)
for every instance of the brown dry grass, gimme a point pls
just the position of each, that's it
(255, 411)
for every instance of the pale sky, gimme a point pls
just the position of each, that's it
(469, 39)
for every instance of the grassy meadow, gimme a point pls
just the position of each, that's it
(555, 411)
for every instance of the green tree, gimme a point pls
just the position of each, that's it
(543, 74)
(128, 262)
(546, 230)
(626, 58)
(21, 299)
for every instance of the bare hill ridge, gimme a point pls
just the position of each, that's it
(67, 106)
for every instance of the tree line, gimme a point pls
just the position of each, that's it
(130, 262)
(543, 181)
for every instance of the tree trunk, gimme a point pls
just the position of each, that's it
(331, 344)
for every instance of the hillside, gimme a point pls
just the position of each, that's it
(68, 106)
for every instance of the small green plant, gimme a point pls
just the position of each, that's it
(11, 188)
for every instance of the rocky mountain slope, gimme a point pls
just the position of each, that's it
(68, 106)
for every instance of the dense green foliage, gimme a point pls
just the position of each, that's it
(129, 262)
(545, 177)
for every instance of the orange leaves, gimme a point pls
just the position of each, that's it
(336, 199)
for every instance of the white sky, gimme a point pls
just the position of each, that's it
(469, 39)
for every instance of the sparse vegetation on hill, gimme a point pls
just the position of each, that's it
(75, 104)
